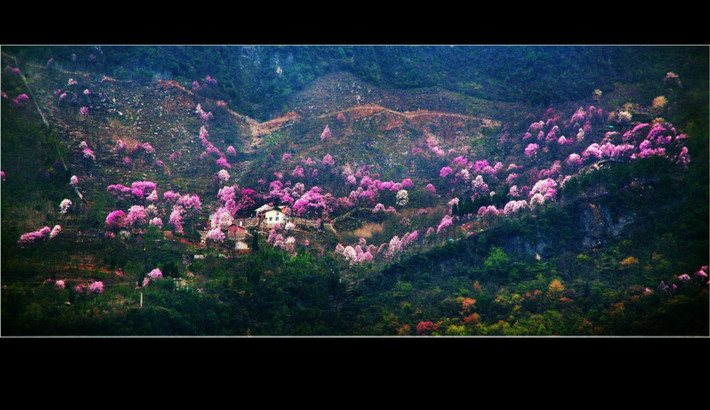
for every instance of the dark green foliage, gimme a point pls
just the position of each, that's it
(255, 241)
(497, 263)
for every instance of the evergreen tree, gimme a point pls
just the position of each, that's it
(255, 240)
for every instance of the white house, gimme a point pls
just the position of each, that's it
(275, 216)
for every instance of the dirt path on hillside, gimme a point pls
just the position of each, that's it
(371, 109)
(259, 129)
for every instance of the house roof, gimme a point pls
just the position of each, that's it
(233, 228)
(281, 211)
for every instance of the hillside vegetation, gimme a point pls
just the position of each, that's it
(446, 191)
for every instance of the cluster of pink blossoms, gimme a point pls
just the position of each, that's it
(64, 206)
(188, 201)
(531, 150)
(55, 231)
(96, 287)
(115, 219)
(136, 215)
(138, 189)
(153, 275)
(139, 214)
(381, 208)
(515, 206)
(21, 100)
(35, 236)
(216, 235)
(278, 241)
(176, 218)
(363, 253)
(326, 133)
(445, 222)
(487, 211)
(156, 222)
(328, 160)
(207, 82)
(204, 115)
(313, 201)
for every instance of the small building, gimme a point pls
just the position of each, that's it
(274, 216)
(246, 222)
(237, 233)
(241, 248)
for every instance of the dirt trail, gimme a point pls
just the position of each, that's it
(259, 129)
(371, 109)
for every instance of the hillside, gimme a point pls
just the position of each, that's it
(412, 211)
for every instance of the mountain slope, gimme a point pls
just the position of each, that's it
(408, 204)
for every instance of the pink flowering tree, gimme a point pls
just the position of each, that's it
(21, 100)
(248, 201)
(488, 213)
(661, 140)
(445, 171)
(153, 275)
(64, 206)
(479, 187)
(55, 231)
(35, 236)
(153, 197)
(445, 223)
(592, 151)
(546, 187)
(312, 202)
(328, 160)
(157, 222)
(531, 150)
(170, 197)
(176, 219)
(141, 189)
(394, 247)
(223, 175)
(190, 202)
(574, 160)
(115, 219)
(88, 154)
(136, 216)
(325, 134)
(515, 208)
(536, 201)
(96, 288)
(223, 163)
(459, 161)
(298, 172)
(215, 235)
